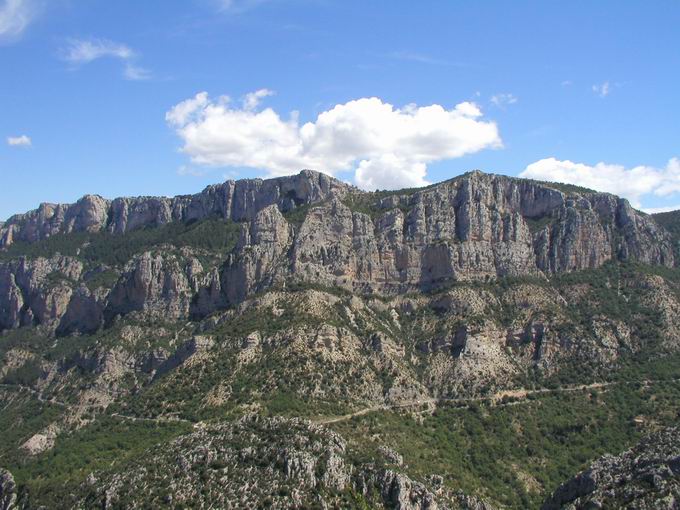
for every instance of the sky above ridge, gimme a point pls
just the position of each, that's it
(164, 97)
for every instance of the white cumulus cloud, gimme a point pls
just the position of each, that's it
(387, 147)
(15, 16)
(252, 99)
(655, 210)
(631, 183)
(19, 141)
(83, 51)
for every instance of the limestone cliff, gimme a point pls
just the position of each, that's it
(231, 200)
(473, 227)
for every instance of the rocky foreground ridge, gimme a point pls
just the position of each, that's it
(646, 477)
(273, 463)
(312, 228)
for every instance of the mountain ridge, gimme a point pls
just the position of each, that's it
(91, 204)
(312, 229)
(237, 200)
(486, 334)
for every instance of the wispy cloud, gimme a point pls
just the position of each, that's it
(15, 16)
(503, 99)
(83, 51)
(421, 58)
(236, 6)
(136, 73)
(19, 141)
(602, 89)
(417, 57)
(192, 171)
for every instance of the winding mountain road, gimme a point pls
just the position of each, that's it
(519, 395)
(496, 398)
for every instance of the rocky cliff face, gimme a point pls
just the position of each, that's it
(37, 291)
(473, 227)
(645, 477)
(232, 200)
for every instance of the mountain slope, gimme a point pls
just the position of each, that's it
(305, 304)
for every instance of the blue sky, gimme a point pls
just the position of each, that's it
(126, 97)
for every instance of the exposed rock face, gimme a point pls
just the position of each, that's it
(398, 491)
(85, 312)
(263, 462)
(155, 283)
(235, 200)
(312, 299)
(470, 228)
(8, 496)
(36, 291)
(89, 214)
(44, 440)
(261, 258)
(645, 477)
(473, 227)
(298, 461)
(197, 344)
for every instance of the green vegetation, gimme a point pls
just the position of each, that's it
(297, 216)
(513, 454)
(25, 375)
(670, 221)
(106, 443)
(369, 202)
(516, 454)
(538, 224)
(22, 416)
(26, 338)
(569, 189)
(612, 291)
(117, 249)
(105, 278)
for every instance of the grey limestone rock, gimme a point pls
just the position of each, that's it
(645, 477)
(8, 496)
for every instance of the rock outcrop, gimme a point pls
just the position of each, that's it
(261, 462)
(645, 477)
(232, 200)
(36, 291)
(156, 283)
(8, 495)
(474, 227)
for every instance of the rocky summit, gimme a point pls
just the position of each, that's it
(299, 343)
